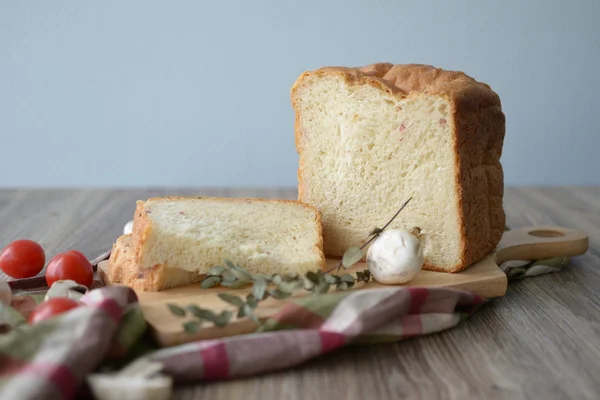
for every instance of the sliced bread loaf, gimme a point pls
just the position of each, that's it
(122, 269)
(370, 138)
(195, 234)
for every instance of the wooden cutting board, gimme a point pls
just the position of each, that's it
(484, 278)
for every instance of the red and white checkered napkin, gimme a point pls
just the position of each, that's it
(313, 327)
(52, 359)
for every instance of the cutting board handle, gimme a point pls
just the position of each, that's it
(539, 243)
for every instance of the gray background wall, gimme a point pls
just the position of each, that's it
(196, 93)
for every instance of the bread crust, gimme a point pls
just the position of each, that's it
(478, 130)
(123, 270)
(142, 226)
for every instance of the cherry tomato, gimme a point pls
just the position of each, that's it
(22, 259)
(70, 265)
(79, 254)
(50, 308)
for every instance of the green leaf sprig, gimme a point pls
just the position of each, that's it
(277, 286)
(201, 315)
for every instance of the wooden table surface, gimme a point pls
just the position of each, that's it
(542, 340)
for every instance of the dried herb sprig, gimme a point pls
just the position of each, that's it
(201, 315)
(277, 286)
(355, 254)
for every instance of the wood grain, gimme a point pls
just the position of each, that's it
(542, 339)
(484, 278)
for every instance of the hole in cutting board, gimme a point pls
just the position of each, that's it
(546, 233)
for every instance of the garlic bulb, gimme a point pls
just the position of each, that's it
(66, 288)
(128, 228)
(395, 257)
(140, 380)
(114, 387)
(5, 293)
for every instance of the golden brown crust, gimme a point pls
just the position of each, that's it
(141, 230)
(479, 127)
(123, 270)
(479, 136)
(319, 244)
(142, 225)
(404, 79)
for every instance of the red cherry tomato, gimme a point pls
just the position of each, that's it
(50, 308)
(71, 266)
(79, 254)
(22, 259)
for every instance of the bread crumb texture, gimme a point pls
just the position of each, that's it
(195, 234)
(369, 138)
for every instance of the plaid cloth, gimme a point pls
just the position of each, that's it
(51, 360)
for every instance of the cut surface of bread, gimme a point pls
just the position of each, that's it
(195, 234)
(371, 138)
(122, 269)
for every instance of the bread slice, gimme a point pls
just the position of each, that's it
(122, 269)
(370, 138)
(195, 234)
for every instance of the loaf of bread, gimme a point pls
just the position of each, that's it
(122, 269)
(370, 138)
(195, 234)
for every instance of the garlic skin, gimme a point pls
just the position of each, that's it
(114, 387)
(128, 228)
(395, 257)
(140, 380)
(5, 293)
(67, 288)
